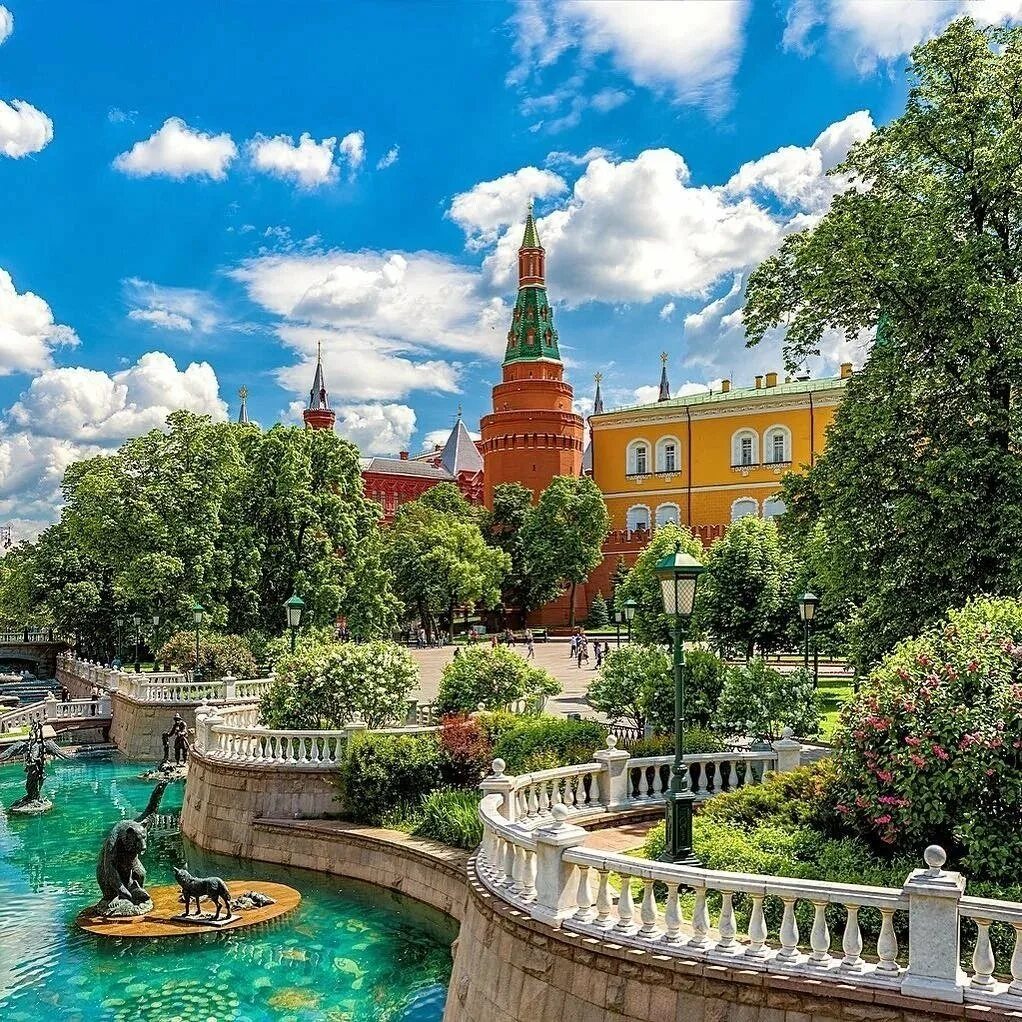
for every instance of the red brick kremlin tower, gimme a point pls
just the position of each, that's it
(318, 415)
(532, 434)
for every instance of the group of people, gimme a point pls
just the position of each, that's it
(579, 650)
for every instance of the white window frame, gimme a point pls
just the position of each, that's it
(628, 516)
(661, 454)
(769, 436)
(745, 500)
(632, 457)
(736, 448)
(676, 519)
(775, 499)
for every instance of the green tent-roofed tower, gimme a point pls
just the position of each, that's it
(532, 335)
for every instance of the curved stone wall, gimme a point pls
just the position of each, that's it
(135, 727)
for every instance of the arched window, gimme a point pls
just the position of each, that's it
(638, 458)
(745, 448)
(773, 507)
(668, 457)
(745, 507)
(637, 518)
(777, 445)
(668, 514)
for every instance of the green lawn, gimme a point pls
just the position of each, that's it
(834, 692)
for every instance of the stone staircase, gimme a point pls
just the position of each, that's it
(29, 690)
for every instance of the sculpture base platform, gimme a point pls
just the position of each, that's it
(165, 920)
(33, 808)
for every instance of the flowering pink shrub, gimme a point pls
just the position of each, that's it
(931, 748)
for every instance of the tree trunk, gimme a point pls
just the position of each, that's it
(571, 605)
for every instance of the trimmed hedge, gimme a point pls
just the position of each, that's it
(541, 743)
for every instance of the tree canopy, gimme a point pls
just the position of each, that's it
(917, 501)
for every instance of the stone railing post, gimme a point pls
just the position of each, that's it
(789, 752)
(230, 686)
(556, 883)
(51, 706)
(104, 708)
(499, 783)
(206, 718)
(613, 778)
(934, 937)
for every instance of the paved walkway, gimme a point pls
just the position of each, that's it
(552, 656)
(626, 838)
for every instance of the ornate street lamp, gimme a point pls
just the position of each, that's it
(198, 613)
(156, 640)
(619, 616)
(629, 609)
(679, 576)
(119, 621)
(293, 608)
(136, 620)
(807, 604)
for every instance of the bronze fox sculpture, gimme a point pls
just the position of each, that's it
(203, 887)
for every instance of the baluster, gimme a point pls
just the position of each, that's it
(983, 957)
(672, 915)
(533, 803)
(789, 932)
(698, 778)
(509, 862)
(757, 929)
(645, 788)
(556, 795)
(887, 943)
(544, 798)
(726, 922)
(648, 911)
(584, 913)
(604, 902)
(700, 921)
(819, 936)
(528, 875)
(1016, 962)
(633, 782)
(303, 745)
(626, 907)
(732, 780)
(851, 941)
(517, 868)
(497, 863)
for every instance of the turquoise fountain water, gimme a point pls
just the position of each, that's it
(349, 953)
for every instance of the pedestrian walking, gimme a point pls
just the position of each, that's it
(530, 647)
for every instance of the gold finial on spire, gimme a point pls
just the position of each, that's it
(531, 202)
(319, 351)
(459, 409)
(243, 393)
(598, 377)
(664, 357)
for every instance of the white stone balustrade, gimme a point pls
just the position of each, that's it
(259, 746)
(533, 855)
(50, 709)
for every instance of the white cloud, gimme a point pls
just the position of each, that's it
(796, 175)
(309, 163)
(23, 129)
(171, 308)
(28, 333)
(352, 150)
(688, 50)
(562, 159)
(376, 428)
(389, 158)
(178, 151)
(78, 404)
(490, 206)
(115, 115)
(608, 99)
(667, 311)
(872, 33)
(6, 23)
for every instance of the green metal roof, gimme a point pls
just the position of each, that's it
(742, 393)
(531, 237)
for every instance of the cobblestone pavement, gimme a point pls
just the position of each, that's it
(553, 656)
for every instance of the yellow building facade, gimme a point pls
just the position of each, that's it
(706, 460)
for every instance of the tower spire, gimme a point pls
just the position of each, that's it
(665, 387)
(532, 335)
(243, 418)
(598, 399)
(318, 414)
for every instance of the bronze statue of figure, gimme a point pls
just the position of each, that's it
(179, 733)
(35, 774)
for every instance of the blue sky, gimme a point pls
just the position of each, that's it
(192, 196)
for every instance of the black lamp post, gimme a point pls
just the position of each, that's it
(136, 620)
(293, 608)
(807, 604)
(629, 609)
(119, 621)
(198, 612)
(679, 576)
(618, 618)
(156, 640)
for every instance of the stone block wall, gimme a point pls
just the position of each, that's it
(136, 727)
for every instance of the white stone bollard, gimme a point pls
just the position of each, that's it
(499, 783)
(230, 686)
(556, 880)
(613, 780)
(51, 706)
(934, 937)
(789, 752)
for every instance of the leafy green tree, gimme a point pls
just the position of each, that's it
(447, 498)
(629, 681)
(438, 561)
(564, 534)
(219, 655)
(641, 584)
(620, 574)
(761, 702)
(704, 682)
(333, 684)
(918, 493)
(746, 598)
(598, 616)
(496, 677)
